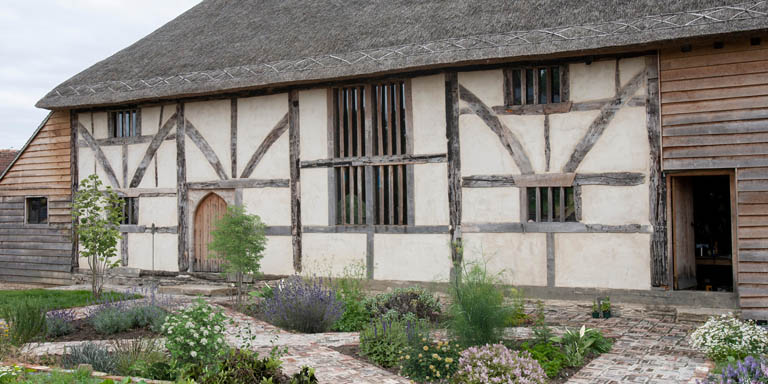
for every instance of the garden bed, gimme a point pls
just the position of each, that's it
(84, 331)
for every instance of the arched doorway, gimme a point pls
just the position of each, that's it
(210, 210)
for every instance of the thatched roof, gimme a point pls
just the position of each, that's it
(225, 45)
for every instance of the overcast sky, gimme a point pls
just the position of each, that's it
(45, 42)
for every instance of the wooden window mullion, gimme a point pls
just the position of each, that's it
(562, 204)
(523, 87)
(550, 205)
(538, 204)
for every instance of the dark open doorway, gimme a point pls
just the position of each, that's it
(702, 232)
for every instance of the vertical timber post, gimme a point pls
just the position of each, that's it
(295, 160)
(370, 203)
(454, 166)
(181, 185)
(75, 178)
(657, 183)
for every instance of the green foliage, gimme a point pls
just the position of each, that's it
(349, 290)
(239, 240)
(415, 300)
(142, 358)
(80, 376)
(243, 367)
(95, 355)
(605, 305)
(147, 316)
(56, 299)
(550, 357)
(384, 340)
(97, 214)
(111, 320)
(478, 313)
(516, 311)
(726, 337)
(541, 331)
(195, 335)
(429, 361)
(26, 321)
(58, 326)
(577, 345)
(305, 376)
(265, 292)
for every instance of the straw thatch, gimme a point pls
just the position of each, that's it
(223, 45)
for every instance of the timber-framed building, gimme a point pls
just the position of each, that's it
(589, 145)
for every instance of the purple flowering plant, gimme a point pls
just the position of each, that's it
(750, 370)
(305, 305)
(495, 363)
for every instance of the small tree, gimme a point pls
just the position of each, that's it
(97, 214)
(239, 240)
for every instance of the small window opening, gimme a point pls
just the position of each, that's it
(130, 211)
(124, 123)
(551, 204)
(37, 210)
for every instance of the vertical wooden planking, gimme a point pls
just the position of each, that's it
(74, 180)
(342, 153)
(295, 171)
(379, 152)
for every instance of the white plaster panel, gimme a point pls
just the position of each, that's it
(412, 257)
(158, 210)
(114, 155)
(592, 82)
(629, 68)
(86, 163)
(428, 100)
(330, 253)
(615, 205)
(278, 256)
(313, 123)
(213, 120)
(165, 252)
(198, 167)
(135, 154)
(100, 125)
(623, 145)
(490, 205)
(272, 205)
(481, 150)
(275, 163)
(603, 260)
(516, 258)
(256, 117)
(565, 131)
(430, 194)
(314, 197)
(166, 165)
(150, 118)
(530, 131)
(85, 120)
(488, 86)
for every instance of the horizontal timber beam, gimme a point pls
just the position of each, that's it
(554, 227)
(554, 180)
(375, 160)
(241, 183)
(147, 229)
(361, 229)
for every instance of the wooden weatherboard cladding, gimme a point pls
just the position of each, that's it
(714, 114)
(40, 252)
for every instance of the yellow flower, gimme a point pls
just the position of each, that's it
(431, 367)
(448, 360)
(426, 348)
(437, 373)
(407, 357)
(423, 339)
(419, 355)
(446, 366)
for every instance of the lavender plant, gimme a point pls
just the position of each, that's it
(750, 370)
(385, 338)
(494, 363)
(59, 323)
(303, 305)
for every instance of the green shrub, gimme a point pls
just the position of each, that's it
(726, 336)
(143, 316)
(195, 335)
(26, 322)
(305, 376)
(349, 290)
(416, 300)
(140, 357)
(110, 320)
(79, 376)
(577, 345)
(384, 340)
(243, 367)
(516, 309)
(550, 357)
(429, 361)
(58, 323)
(95, 355)
(478, 313)
(305, 305)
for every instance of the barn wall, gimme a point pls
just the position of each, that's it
(714, 105)
(559, 254)
(39, 253)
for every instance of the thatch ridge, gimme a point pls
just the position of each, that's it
(294, 39)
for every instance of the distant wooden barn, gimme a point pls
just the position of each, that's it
(585, 148)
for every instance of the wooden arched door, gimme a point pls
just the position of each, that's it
(210, 210)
